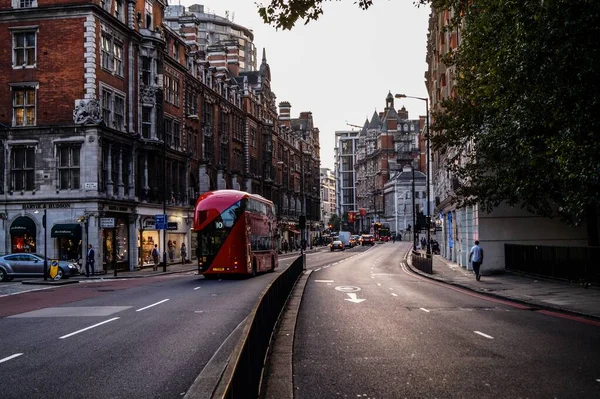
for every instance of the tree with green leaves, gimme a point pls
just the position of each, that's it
(523, 126)
(335, 222)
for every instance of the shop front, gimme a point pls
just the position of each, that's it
(68, 242)
(115, 242)
(23, 235)
(148, 236)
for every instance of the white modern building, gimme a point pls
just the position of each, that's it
(327, 195)
(346, 145)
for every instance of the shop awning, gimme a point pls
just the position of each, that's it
(22, 225)
(69, 230)
(294, 231)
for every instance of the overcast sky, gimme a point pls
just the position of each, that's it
(342, 66)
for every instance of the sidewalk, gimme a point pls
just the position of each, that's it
(144, 272)
(191, 266)
(536, 292)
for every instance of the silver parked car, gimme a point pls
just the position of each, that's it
(32, 265)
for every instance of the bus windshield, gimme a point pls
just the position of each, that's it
(212, 237)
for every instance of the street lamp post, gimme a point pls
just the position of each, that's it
(45, 244)
(428, 165)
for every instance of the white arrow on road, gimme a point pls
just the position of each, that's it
(353, 298)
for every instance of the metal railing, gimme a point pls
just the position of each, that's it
(242, 376)
(580, 264)
(422, 262)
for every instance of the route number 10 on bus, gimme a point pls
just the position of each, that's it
(235, 233)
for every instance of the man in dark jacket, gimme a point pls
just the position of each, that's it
(90, 260)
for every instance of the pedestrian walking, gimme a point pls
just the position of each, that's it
(476, 256)
(89, 261)
(183, 253)
(155, 257)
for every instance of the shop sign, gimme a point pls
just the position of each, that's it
(149, 224)
(57, 205)
(90, 186)
(107, 223)
(172, 226)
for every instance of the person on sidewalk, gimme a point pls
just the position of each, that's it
(155, 257)
(476, 256)
(89, 261)
(183, 253)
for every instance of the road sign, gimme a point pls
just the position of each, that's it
(107, 223)
(160, 222)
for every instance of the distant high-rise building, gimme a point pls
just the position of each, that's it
(328, 193)
(203, 30)
(345, 175)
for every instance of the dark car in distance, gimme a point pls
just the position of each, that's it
(337, 245)
(32, 265)
(367, 239)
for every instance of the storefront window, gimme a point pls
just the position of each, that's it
(149, 238)
(174, 241)
(121, 243)
(22, 232)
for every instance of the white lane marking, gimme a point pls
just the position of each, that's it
(323, 281)
(197, 288)
(6, 359)
(325, 267)
(379, 284)
(391, 289)
(154, 304)
(88, 328)
(425, 310)
(394, 294)
(353, 298)
(317, 269)
(483, 335)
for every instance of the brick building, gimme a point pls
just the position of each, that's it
(109, 117)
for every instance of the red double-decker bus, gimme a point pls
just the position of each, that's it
(235, 233)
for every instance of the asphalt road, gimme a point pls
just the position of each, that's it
(134, 338)
(369, 328)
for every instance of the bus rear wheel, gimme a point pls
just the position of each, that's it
(272, 269)
(254, 268)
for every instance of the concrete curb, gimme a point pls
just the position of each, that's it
(279, 378)
(533, 305)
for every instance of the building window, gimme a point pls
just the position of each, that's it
(107, 107)
(146, 70)
(176, 51)
(253, 137)
(24, 3)
(111, 54)
(68, 166)
(105, 49)
(105, 4)
(168, 132)
(119, 11)
(24, 49)
(119, 113)
(148, 15)
(22, 168)
(24, 106)
(172, 90)
(176, 135)
(113, 108)
(146, 122)
(118, 59)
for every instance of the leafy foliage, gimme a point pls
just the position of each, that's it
(527, 106)
(283, 14)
